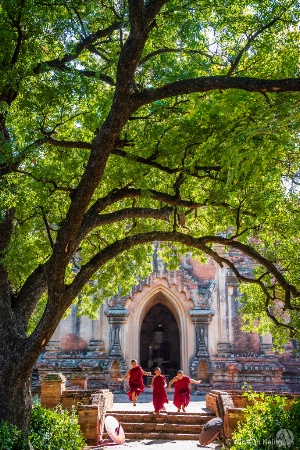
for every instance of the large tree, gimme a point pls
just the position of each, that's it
(128, 122)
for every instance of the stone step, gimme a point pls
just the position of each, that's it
(207, 412)
(162, 435)
(161, 428)
(139, 425)
(166, 417)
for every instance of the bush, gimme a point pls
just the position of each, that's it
(270, 423)
(55, 429)
(11, 438)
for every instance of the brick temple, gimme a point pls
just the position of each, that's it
(177, 319)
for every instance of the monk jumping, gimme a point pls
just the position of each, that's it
(160, 397)
(182, 393)
(136, 385)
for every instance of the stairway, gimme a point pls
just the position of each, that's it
(166, 425)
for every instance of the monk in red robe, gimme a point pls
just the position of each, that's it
(182, 393)
(136, 385)
(159, 384)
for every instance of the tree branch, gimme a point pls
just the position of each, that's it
(30, 293)
(92, 222)
(117, 195)
(152, 8)
(47, 180)
(17, 25)
(6, 229)
(64, 144)
(221, 82)
(252, 37)
(47, 227)
(201, 243)
(136, 18)
(151, 163)
(59, 63)
(127, 192)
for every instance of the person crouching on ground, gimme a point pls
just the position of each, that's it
(159, 385)
(182, 392)
(136, 385)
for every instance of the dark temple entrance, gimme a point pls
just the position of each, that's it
(159, 341)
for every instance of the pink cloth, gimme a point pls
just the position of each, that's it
(182, 392)
(159, 392)
(135, 382)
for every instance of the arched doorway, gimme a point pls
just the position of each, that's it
(160, 328)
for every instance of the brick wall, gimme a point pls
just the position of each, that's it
(243, 343)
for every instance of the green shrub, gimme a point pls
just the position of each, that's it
(270, 424)
(54, 429)
(11, 438)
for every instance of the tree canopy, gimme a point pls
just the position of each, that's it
(128, 122)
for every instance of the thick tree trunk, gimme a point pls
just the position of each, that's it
(15, 388)
(16, 363)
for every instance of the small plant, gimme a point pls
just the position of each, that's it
(11, 438)
(271, 422)
(55, 429)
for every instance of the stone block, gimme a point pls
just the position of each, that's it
(232, 417)
(52, 386)
(90, 424)
(79, 380)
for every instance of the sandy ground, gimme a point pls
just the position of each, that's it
(157, 445)
(121, 403)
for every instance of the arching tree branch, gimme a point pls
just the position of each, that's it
(202, 243)
(123, 214)
(211, 83)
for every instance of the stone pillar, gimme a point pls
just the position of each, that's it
(117, 316)
(266, 346)
(224, 346)
(201, 318)
(52, 386)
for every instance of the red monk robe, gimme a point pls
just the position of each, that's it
(159, 392)
(182, 393)
(135, 382)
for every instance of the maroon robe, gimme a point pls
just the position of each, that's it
(159, 392)
(135, 382)
(182, 392)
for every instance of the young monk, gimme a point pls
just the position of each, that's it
(136, 385)
(159, 384)
(182, 393)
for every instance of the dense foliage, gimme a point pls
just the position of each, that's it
(128, 122)
(11, 438)
(49, 430)
(271, 422)
(55, 429)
